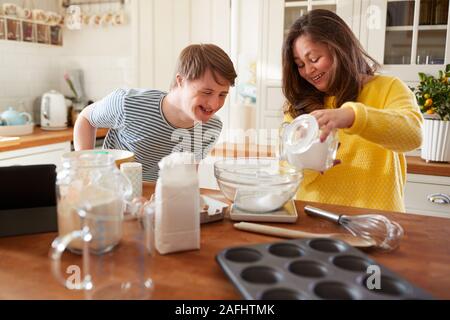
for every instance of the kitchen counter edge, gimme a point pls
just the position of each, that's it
(415, 164)
(41, 137)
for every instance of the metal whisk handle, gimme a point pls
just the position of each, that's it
(322, 214)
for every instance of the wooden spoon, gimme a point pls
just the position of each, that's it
(295, 234)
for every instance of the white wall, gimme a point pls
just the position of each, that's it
(105, 56)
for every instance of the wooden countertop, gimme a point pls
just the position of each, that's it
(415, 164)
(423, 258)
(42, 137)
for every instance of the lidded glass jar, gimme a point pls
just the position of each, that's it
(300, 144)
(90, 181)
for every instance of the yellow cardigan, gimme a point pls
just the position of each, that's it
(372, 172)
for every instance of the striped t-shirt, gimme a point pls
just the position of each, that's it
(137, 124)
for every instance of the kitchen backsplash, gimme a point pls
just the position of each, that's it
(27, 71)
(104, 55)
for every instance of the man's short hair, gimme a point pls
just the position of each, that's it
(195, 59)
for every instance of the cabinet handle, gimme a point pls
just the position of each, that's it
(439, 198)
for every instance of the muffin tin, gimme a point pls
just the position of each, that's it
(312, 269)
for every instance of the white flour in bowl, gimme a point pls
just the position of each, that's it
(260, 203)
(104, 218)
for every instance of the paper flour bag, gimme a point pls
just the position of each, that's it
(177, 201)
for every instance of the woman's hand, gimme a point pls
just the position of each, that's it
(330, 119)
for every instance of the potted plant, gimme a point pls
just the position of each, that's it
(433, 96)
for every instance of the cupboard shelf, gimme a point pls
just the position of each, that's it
(433, 27)
(410, 28)
(68, 3)
(295, 4)
(400, 28)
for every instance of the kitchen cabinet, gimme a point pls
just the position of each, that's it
(428, 195)
(46, 154)
(407, 36)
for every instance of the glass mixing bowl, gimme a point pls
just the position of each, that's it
(257, 184)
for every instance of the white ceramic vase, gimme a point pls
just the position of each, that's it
(436, 140)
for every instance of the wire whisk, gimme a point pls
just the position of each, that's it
(384, 233)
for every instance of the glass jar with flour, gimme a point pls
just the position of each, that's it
(91, 182)
(300, 144)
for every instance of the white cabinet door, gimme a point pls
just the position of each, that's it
(270, 98)
(428, 195)
(48, 154)
(273, 113)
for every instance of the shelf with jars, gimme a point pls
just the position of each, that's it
(26, 25)
(104, 13)
(416, 32)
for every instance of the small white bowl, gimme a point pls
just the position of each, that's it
(19, 130)
(120, 156)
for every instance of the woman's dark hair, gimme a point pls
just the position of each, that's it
(350, 63)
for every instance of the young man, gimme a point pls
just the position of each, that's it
(153, 123)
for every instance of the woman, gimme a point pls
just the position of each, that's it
(326, 73)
